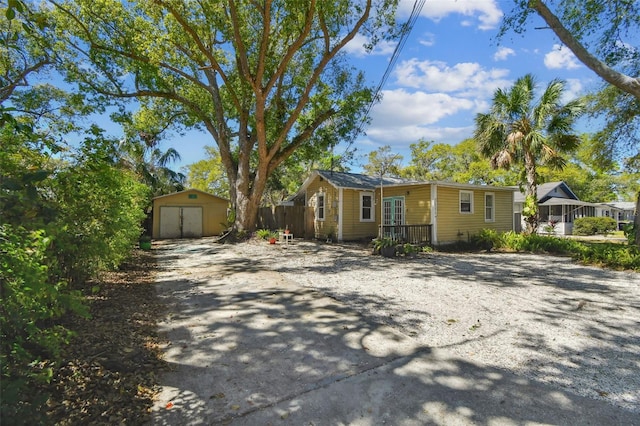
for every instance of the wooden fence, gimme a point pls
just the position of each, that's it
(299, 219)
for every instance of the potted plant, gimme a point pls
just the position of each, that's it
(385, 246)
(145, 242)
(410, 250)
(273, 237)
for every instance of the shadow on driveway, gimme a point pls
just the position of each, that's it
(247, 346)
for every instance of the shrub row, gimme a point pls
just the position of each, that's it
(63, 222)
(618, 256)
(594, 226)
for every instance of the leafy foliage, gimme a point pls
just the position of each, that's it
(63, 222)
(520, 129)
(594, 226)
(618, 256)
(262, 80)
(30, 300)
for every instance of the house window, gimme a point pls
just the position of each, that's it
(466, 201)
(366, 207)
(489, 207)
(320, 207)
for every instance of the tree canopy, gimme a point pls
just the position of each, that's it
(262, 78)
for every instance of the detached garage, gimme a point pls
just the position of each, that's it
(189, 214)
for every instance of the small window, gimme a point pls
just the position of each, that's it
(320, 207)
(466, 202)
(489, 201)
(366, 207)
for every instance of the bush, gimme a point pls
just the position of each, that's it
(30, 301)
(594, 226)
(488, 239)
(264, 234)
(630, 233)
(618, 256)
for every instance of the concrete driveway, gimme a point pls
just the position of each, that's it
(249, 347)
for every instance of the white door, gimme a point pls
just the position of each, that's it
(191, 222)
(170, 222)
(180, 222)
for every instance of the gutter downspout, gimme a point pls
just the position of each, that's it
(434, 214)
(340, 215)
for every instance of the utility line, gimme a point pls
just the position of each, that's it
(408, 26)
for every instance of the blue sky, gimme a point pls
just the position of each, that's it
(446, 74)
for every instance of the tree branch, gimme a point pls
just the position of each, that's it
(622, 81)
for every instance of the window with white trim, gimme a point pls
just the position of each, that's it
(320, 206)
(366, 207)
(489, 207)
(466, 202)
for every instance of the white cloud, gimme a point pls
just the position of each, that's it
(356, 47)
(503, 53)
(466, 79)
(486, 13)
(573, 89)
(561, 58)
(427, 39)
(399, 107)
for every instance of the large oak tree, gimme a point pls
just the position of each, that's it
(263, 78)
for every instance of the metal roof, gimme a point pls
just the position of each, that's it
(358, 181)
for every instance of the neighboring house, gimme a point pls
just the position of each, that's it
(558, 206)
(349, 206)
(189, 214)
(622, 211)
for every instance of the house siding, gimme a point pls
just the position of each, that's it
(352, 228)
(417, 202)
(455, 226)
(329, 226)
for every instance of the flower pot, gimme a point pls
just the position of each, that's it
(286, 231)
(388, 251)
(272, 240)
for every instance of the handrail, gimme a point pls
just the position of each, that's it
(414, 234)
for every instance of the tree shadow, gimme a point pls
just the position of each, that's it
(251, 347)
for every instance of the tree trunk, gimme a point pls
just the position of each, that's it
(636, 221)
(531, 194)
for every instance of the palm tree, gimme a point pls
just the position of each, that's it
(151, 164)
(520, 129)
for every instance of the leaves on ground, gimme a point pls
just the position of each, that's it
(108, 373)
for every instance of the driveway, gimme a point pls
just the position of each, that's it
(310, 333)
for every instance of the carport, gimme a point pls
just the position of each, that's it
(189, 214)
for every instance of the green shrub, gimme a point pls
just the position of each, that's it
(630, 233)
(594, 226)
(488, 239)
(30, 301)
(264, 234)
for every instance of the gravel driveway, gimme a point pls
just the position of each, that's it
(542, 317)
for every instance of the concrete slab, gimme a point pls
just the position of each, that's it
(248, 347)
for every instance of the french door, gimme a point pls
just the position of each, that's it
(393, 215)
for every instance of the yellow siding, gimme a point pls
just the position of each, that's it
(328, 226)
(214, 210)
(417, 202)
(454, 226)
(352, 227)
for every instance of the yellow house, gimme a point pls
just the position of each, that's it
(189, 214)
(349, 206)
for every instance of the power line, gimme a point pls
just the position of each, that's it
(408, 26)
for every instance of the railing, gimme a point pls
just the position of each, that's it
(414, 234)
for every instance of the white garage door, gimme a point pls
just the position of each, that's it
(180, 222)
